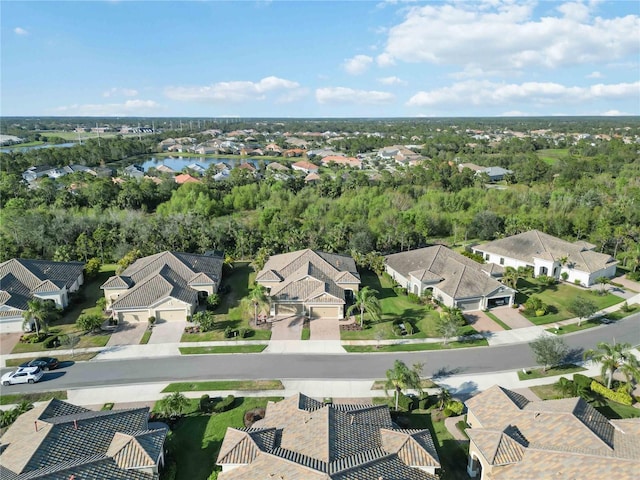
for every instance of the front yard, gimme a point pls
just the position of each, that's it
(559, 296)
(395, 306)
(232, 312)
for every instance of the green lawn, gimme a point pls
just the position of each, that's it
(195, 442)
(559, 370)
(552, 155)
(78, 357)
(559, 296)
(414, 347)
(32, 397)
(426, 383)
(619, 314)
(248, 385)
(223, 349)
(231, 311)
(395, 306)
(145, 337)
(574, 327)
(306, 333)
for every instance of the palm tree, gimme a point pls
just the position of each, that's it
(173, 405)
(39, 313)
(615, 357)
(258, 300)
(366, 300)
(401, 377)
(444, 396)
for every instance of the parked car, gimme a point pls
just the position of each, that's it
(22, 375)
(45, 363)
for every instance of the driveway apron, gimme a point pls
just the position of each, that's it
(127, 334)
(325, 329)
(288, 328)
(167, 332)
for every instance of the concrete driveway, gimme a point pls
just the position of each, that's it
(8, 341)
(288, 328)
(167, 332)
(512, 317)
(127, 334)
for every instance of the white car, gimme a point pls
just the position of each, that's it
(22, 375)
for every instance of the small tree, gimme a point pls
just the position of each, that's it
(602, 281)
(582, 308)
(213, 301)
(549, 351)
(92, 268)
(449, 323)
(69, 341)
(366, 300)
(205, 320)
(173, 405)
(444, 397)
(101, 303)
(89, 322)
(401, 377)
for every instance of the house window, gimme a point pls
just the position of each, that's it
(501, 261)
(486, 256)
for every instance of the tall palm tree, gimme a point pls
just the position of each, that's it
(366, 300)
(39, 313)
(612, 357)
(401, 377)
(258, 300)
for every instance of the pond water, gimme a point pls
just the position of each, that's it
(10, 149)
(178, 163)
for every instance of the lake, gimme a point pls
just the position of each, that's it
(36, 147)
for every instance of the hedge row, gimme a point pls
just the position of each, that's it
(620, 397)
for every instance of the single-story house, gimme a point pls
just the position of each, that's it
(186, 178)
(312, 178)
(342, 160)
(551, 256)
(514, 438)
(22, 280)
(197, 168)
(59, 440)
(310, 283)
(277, 167)
(455, 280)
(495, 174)
(167, 286)
(302, 438)
(304, 166)
(134, 171)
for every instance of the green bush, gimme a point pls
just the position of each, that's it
(205, 404)
(447, 412)
(51, 342)
(582, 381)
(226, 404)
(620, 397)
(455, 407)
(229, 332)
(577, 282)
(400, 290)
(413, 298)
(540, 313)
(406, 403)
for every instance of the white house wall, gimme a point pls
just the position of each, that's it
(59, 298)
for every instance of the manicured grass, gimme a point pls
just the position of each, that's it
(86, 340)
(223, 349)
(195, 441)
(78, 357)
(232, 312)
(250, 385)
(426, 383)
(145, 337)
(559, 370)
(414, 347)
(306, 333)
(547, 392)
(497, 320)
(619, 314)
(559, 296)
(32, 397)
(394, 307)
(574, 327)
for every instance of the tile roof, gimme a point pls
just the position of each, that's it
(167, 274)
(20, 278)
(328, 442)
(574, 437)
(536, 244)
(60, 437)
(452, 273)
(309, 276)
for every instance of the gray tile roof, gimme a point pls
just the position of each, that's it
(336, 440)
(536, 244)
(57, 439)
(452, 273)
(168, 274)
(569, 431)
(309, 276)
(21, 278)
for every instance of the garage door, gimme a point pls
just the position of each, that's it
(324, 312)
(466, 305)
(133, 317)
(288, 309)
(171, 315)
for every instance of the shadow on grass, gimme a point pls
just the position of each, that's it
(237, 282)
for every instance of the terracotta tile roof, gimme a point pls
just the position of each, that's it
(536, 244)
(186, 178)
(314, 440)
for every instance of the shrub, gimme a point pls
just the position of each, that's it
(226, 404)
(229, 332)
(409, 328)
(89, 322)
(540, 313)
(151, 320)
(413, 298)
(564, 276)
(455, 407)
(619, 397)
(400, 290)
(567, 387)
(447, 412)
(625, 307)
(546, 280)
(52, 342)
(205, 320)
(406, 403)
(107, 406)
(213, 301)
(205, 404)
(245, 332)
(577, 282)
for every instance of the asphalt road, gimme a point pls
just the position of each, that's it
(314, 367)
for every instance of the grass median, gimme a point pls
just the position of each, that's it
(413, 347)
(559, 370)
(216, 385)
(222, 349)
(32, 397)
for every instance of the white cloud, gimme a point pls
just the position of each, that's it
(236, 91)
(358, 64)
(595, 75)
(385, 60)
(20, 31)
(503, 36)
(486, 93)
(115, 92)
(392, 81)
(615, 113)
(350, 95)
(128, 108)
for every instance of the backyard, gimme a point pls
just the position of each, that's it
(394, 306)
(558, 297)
(83, 302)
(232, 311)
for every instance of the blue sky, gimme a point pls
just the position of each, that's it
(320, 59)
